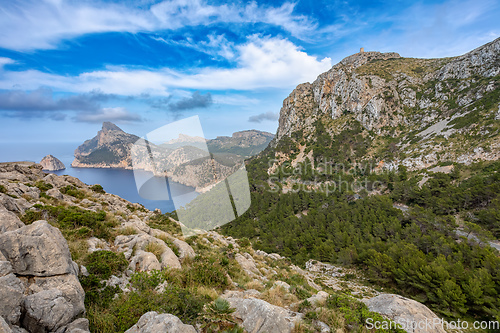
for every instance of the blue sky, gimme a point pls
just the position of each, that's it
(66, 66)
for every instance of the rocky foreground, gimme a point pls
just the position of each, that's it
(42, 267)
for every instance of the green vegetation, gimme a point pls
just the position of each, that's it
(74, 222)
(73, 191)
(417, 253)
(97, 188)
(3, 189)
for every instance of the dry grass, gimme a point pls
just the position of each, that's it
(155, 249)
(279, 296)
(127, 231)
(255, 284)
(331, 318)
(206, 291)
(78, 248)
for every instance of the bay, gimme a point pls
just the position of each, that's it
(116, 181)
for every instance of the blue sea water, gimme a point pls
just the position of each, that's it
(116, 181)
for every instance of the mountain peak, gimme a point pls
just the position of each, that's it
(109, 126)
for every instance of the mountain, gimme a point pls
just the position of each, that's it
(186, 158)
(110, 148)
(51, 163)
(396, 110)
(244, 143)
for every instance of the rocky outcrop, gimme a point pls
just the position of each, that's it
(50, 163)
(38, 282)
(403, 310)
(258, 316)
(413, 101)
(152, 322)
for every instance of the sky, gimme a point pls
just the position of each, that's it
(67, 66)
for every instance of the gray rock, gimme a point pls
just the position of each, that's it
(78, 325)
(50, 163)
(38, 249)
(258, 316)
(68, 285)
(401, 309)
(4, 328)
(319, 298)
(152, 322)
(185, 250)
(11, 296)
(47, 310)
(55, 193)
(248, 265)
(9, 221)
(5, 268)
(144, 261)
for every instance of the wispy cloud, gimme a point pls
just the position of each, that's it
(261, 62)
(264, 116)
(117, 114)
(35, 24)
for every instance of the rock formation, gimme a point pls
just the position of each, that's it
(50, 163)
(431, 109)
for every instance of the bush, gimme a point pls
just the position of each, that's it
(73, 191)
(3, 189)
(43, 186)
(97, 188)
(103, 264)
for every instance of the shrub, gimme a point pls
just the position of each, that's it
(97, 188)
(73, 191)
(103, 264)
(208, 272)
(217, 316)
(3, 189)
(43, 186)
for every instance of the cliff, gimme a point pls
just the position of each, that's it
(424, 110)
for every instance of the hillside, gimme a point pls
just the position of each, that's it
(389, 165)
(385, 108)
(76, 259)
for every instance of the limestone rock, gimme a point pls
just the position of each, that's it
(38, 249)
(47, 311)
(259, 316)
(152, 322)
(185, 250)
(401, 309)
(55, 193)
(248, 265)
(4, 328)
(50, 163)
(11, 296)
(319, 298)
(144, 261)
(9, 221)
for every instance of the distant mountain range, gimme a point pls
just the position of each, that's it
(185, 159)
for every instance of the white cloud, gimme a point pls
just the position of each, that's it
(5, 61)
(262, 62)
(35, 24)
(117, 114)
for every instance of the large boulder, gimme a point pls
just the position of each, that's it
(4, 328)
(51, 163)
(47, 310)
(38, 249)
(142, 241)
(152, 322)
(259, 316)
(144, 261)
(404, 310)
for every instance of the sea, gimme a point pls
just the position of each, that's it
(116, 181)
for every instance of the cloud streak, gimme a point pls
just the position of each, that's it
(273, 116)
(35, 24)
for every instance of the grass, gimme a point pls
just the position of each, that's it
(155, 249)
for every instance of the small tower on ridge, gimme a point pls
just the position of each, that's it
(362, 50)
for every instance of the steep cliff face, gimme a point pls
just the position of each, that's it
(110, 148)
(50, 163)
(424, 106)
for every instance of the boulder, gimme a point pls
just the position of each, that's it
(144, 261)
(141, 241)
(185, 250)
(152, 322)
(258, 316)
(47, 310)
(248, 265)
(11, 296)
(67, 284)
(55, 193)
(8, 220)
(38, 249)
(404, 310)
(319, 298)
